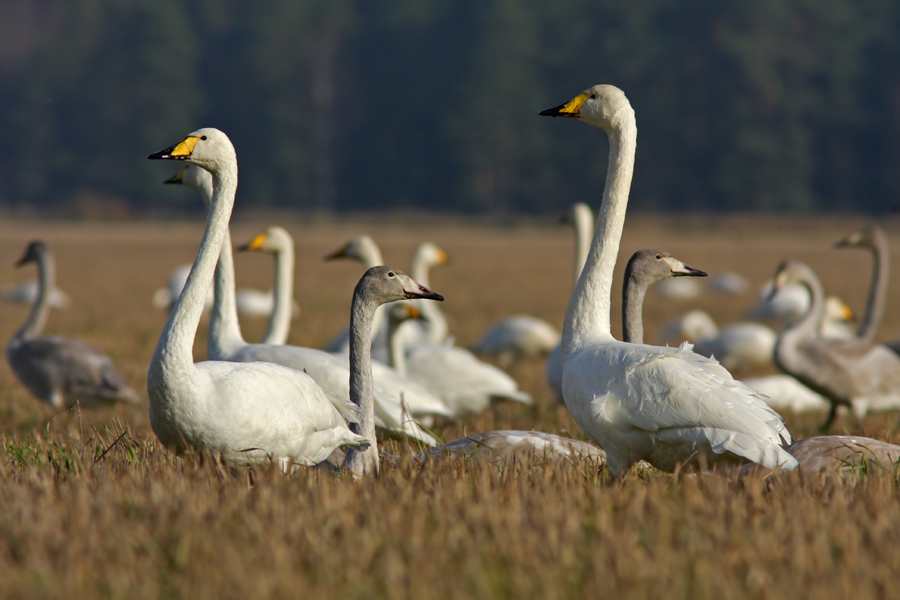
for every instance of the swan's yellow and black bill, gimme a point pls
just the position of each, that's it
(254, 244)
(412, 312)
(177, 178)
(569, 110)
(180, 151)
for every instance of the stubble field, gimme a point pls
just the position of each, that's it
(92, 506)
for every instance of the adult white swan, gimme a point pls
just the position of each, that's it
(249, 413)
(57, 370)
(664, 405)
(331, 372)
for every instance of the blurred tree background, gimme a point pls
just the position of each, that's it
(337, 105)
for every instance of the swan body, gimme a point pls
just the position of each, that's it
(728, 283)
(518, 336)
(740, 346)
(248, 413)
(668, 406)
(57, 370)
(784, 392)
(854, 373)
(691, 327)
(164, 298)
(330, 371)
(27, 293)
(844, 453)
(678, 289)
(510, 448)
(281, 306)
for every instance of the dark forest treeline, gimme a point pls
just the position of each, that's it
(432, 104)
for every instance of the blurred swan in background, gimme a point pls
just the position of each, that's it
(854, 373)
(26, 292)
(57, 370)
(667, 406)
(330, 371)
(279, 243)
(249, 413)
(518, 336)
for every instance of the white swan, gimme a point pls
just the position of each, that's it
(330, 371)
(790, 303)
(26, 292)
(784, 392)
(582, 220)
(518, 336)
(432, 328)
(664, 405)
(378, 286)
(249, 413)
(278, 242)
(855, 373)
(57, 370)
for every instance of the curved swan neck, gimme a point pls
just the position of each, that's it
(280, 320)
(878, 289)
(633, 293)
(584, 228)
(810, 325)
(224, 335)
(588, 315)
(175, 346)
(433, 317)
(361, 386)
(34, 324)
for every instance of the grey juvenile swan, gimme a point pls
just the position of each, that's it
(667, 406)
(248, 413)
(854, 373)
(57, 370)
(872, 238)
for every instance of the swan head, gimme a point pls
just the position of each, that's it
(271, 240)
(358, 249)
(430, 254)
(207, 148)
(867, 237)
(793, 271)
(33, 253)
(383, 284)
(651, 265)
(603, 106)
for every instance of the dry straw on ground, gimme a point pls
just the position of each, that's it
(93, 507)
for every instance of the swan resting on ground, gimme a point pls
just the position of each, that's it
(518, 336)
(664, 405)
(57, 370)
(248, 413)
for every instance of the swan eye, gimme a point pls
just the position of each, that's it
(202, 137)
(658, 257)
(390, 273)
(593, 96)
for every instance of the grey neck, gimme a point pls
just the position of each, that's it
(878, 289)
(633, 293)
(361, 387)
(34, 324)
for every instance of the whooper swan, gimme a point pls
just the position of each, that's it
(854, 373)
(57, 370)
(664, 405)
(330, 371)
(249, 413)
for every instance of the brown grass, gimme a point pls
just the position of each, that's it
(93, 507)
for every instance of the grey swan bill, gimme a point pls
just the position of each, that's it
(332, 372)
(284, 417)
(860, 375)
(582, 220)
(56, 370)
(668, 406)
(378, 286)
(278, 242)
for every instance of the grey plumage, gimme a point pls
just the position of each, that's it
(57, 370)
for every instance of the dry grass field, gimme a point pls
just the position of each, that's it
(91, 505)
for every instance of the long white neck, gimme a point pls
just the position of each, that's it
(588, 315)
(174, 351)
(397, 356)
(280, 320)
(434, 319)
(224, 336)
(361, 385)
(584, 229)
(371, 257)
(878, 289)
(34, 324)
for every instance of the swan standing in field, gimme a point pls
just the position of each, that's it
(330, 371)
(278, 242)
(27, 292)
(582, 220)
(57, 370)
(249, 413)
(379, 285)
(854, 373)
(664, 405)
